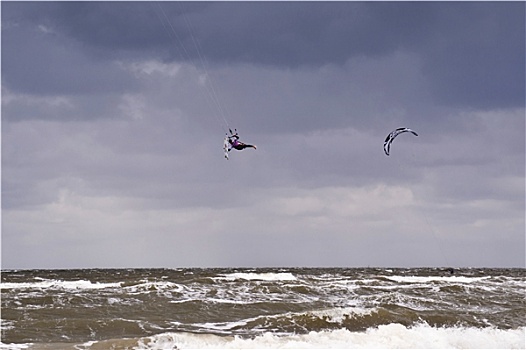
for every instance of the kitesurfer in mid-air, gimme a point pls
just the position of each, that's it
(234, 142)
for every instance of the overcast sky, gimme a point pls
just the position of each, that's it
(114, 113)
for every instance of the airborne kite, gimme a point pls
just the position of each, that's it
(232, 141)
(389, 139)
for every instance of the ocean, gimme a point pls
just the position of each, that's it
(307, 308)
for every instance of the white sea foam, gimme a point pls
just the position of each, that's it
(147, 287)
(382, 337)
(268, 276)
(13, 346)
(55, 284)
(6, 324)
(340, 314)
(427, 279)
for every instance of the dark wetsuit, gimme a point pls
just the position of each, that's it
(239, 145)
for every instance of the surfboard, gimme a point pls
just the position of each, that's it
(225, 147)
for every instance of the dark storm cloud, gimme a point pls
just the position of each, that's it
(287, 34)
(39, 61)
(292, 34)
(112, 26)
(472, 53)
(477, 55)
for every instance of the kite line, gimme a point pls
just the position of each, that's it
(199, 65)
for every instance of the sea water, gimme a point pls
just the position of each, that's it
(304, 308)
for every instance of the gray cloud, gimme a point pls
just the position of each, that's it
(47, 64)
